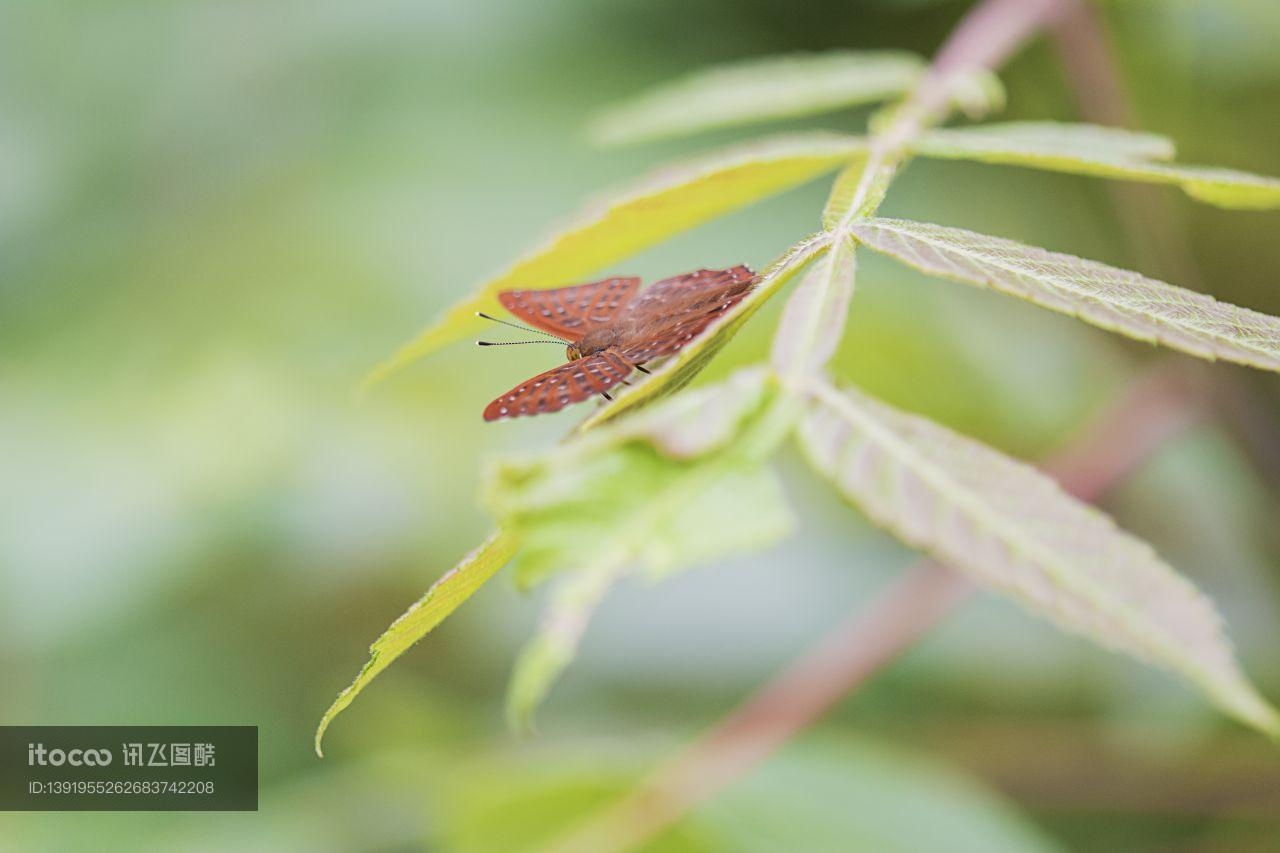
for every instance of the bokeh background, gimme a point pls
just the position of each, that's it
(215, 216)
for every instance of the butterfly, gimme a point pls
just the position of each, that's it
(610, 328)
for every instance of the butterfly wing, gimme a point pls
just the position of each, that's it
(571, 312)
(559, 387)
(677, 310)
(692, 284)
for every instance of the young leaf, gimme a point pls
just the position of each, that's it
(679, 371)
(813, 320)
(697, 422)
(758, 90)
(685, 515)
(845, 203)
(669, 201)
(666, 489)
(614, 496)
(668, 515)
(444, 596)
(843, 192)
(978, 94)
(1013, 529)
(1111, 298)
(1105, 152)
(550, 651)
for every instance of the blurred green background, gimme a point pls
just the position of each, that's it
(216, 216)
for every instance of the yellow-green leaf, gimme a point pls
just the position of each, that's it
(670, 200)
(1101, 151)
(444, 596)
(758, 90)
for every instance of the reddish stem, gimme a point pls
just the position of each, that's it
(987, 36)
(1151, 226)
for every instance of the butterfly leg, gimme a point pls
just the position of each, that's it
(605, 394)
(640, 367)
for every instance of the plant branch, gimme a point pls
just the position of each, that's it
(990, 33)
(1150, 225)
(983, 40)
(1144, 417)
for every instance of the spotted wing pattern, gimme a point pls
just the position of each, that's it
(569, 383)
(675, 311)
(570, 312)
(696, 282)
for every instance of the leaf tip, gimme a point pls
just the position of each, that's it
(520, 717)
(374, 378)
(1250, 707)
(342, 700)
(332, 712)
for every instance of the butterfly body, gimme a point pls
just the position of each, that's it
(597, 341)
(611, 328)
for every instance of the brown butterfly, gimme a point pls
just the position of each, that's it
(611, 329)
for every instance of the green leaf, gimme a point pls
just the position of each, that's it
(684, 514)
(665, 489)
(672, 199)
(554, 646)
(1013, 529)
(758, 90)
(615, 496)
(679, 371)
(813, 321)
(1045, 140)
(444, 597)
(1111, 298)
(1102, 151)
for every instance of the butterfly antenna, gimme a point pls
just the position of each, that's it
(484, 316)
(515, 343)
